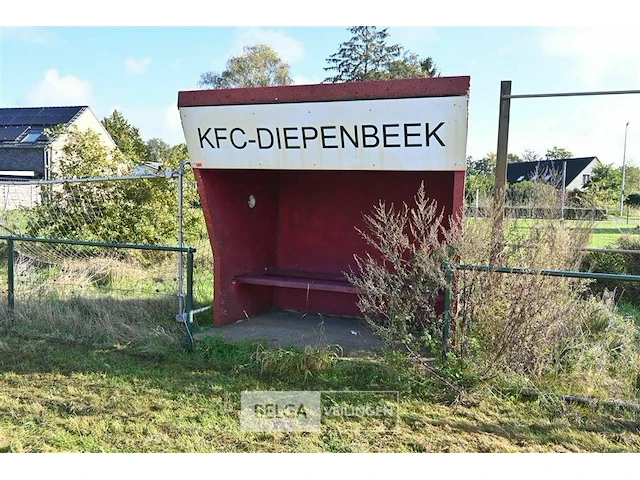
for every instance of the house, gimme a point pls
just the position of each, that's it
(25, 150)
(27, 153)
(578, 171)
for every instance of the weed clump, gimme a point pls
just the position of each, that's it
(545, 330)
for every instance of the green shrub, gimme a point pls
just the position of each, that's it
(400, 281)
(618, 263)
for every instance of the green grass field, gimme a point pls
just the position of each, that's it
(604, 233)
(69, 397)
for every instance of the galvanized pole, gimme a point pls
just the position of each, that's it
(446, 328)
(624, 164)
(501, 168)
(10, 279)
(564, 187)
(181, 313)
(189, 303)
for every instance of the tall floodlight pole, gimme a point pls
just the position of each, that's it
(624, 164)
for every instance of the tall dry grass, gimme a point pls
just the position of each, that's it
(540, 328)
(103, 301)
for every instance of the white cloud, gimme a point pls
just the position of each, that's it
(171, 117)
(597, 56)
(137, 66)
(55, 89)
(288, 48)
(155, 121)
(27, 34)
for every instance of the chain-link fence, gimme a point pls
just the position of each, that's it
(71, 245)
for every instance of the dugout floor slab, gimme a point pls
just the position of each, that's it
(295, 329)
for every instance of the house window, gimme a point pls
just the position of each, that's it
(585, 179)
(33, 135)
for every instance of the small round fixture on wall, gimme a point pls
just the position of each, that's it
(252, 201)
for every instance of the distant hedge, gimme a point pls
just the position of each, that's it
(620, 263)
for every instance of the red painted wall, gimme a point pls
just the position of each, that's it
(243, 239)
(302, 220)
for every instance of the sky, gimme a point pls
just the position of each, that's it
(116, 64)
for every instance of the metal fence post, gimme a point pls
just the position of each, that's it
(500, 185)
(181, 309)
(448, 278)
(10, 279)
(189, 300)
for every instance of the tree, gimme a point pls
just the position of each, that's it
(411, 66)
(127, 138)
(513, 158)
(484, 166)
(368, 56)
(558, 153)
(126, 211)
(479, 178)
(530, 155)
(159, 150)
(257, 66)
(138, 211)
(604, 185)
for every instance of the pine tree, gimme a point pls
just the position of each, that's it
(368, 56)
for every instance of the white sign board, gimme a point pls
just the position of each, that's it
(427, 133)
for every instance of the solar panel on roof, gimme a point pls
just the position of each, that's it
(46, 120)
(55, 115)
(37, 115)
(9, 134)
(7, 119)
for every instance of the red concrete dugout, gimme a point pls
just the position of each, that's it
(286, 173)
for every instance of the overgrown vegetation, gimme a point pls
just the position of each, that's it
(73, 397)
(134, 211)
(400, 281)
(624, 263)
(528, 329)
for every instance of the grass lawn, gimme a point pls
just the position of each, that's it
(62, 396)
(604, 233)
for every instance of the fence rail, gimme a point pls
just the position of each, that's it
(186, 316)
(451, 268)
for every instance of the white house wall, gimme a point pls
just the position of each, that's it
(84, 122)
(576, 183)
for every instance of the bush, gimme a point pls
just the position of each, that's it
(518, 322)
(604, 359)
(618, 263)
(134, 211)
(542, 329)
(399, 283)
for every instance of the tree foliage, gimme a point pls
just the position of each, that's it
(257, 66)
(127, 138)
(529, 155)
(479, 179)
(136, 211)
(367, 55)
(558, 153)
(604, 185)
